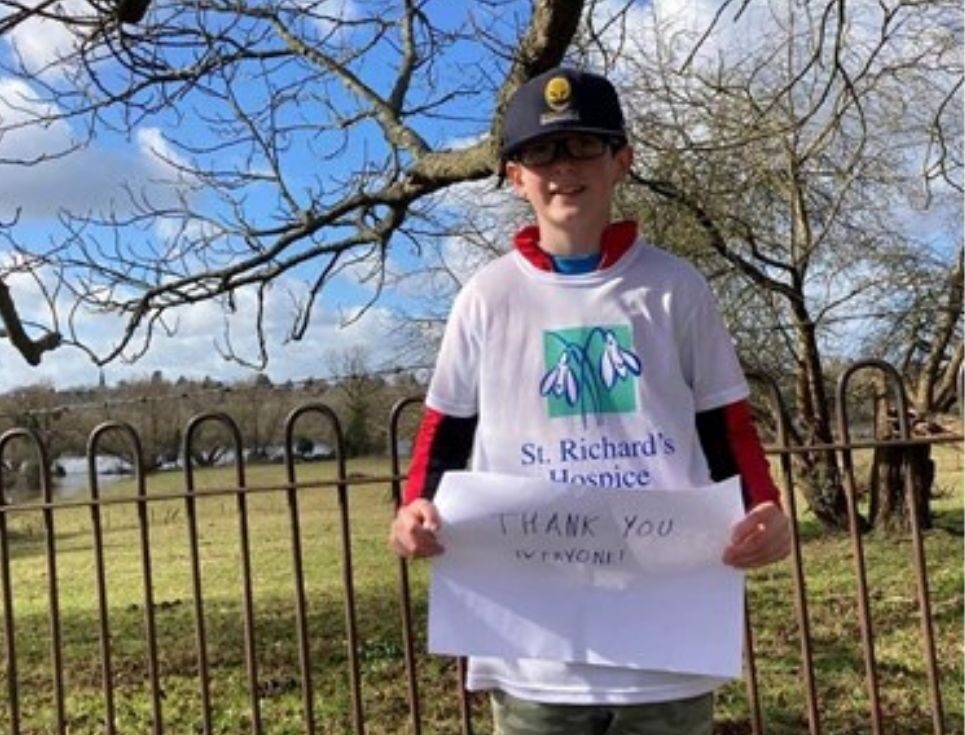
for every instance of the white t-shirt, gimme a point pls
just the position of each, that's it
(589, 379)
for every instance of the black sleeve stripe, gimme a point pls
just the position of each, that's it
(450, 450)
(712, 431)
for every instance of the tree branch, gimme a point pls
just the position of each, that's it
(31, 349)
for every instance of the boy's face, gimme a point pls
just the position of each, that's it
(568, 179)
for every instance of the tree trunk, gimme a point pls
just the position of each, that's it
(818, 472)
(889, 498)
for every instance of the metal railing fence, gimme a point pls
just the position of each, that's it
(293, 490)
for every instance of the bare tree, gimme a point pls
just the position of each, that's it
(785, 166)
(244, 95)
(925, 337)
(784, 163)
(37, 408)
(355, 394)
(260, 411)
(151, 406)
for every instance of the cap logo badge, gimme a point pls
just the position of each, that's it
(557, 93)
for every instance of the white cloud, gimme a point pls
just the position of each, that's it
(498, 212)
(192, 350)
(44, 43)
(158, 154)
(92, 178)
(334, 13)
(650, 25)
(746, 28)
(332, 19)
(19, 105)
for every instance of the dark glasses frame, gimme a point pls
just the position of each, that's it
(577, 146)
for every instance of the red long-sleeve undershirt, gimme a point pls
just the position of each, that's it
(727, 436)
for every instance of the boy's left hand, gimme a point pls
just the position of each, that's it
(763, 536)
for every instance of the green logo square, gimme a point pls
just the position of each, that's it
(590, 370)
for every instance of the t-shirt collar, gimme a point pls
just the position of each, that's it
(617, 239)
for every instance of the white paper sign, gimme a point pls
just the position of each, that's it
(535, 569)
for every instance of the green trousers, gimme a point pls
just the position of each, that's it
(681, 717)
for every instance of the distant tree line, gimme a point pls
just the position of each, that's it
(159, 409)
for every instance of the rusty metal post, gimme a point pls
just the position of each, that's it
(103, 627)
(753, 697)
(405, 598)
(247, 594)
(864, 606)
(800, 588)
(9, 628)
(921, 569)
(301, 619)
(918, 547)
(465, 709)
(150, 632)
(465, 706)
(50, 551)
(358, 718)
(201, 643)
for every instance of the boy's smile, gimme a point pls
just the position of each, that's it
(565, 190)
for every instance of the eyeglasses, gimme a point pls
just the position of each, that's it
(577, 147)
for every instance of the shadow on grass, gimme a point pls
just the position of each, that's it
(24, 544)
(811, 529)
(950, 521)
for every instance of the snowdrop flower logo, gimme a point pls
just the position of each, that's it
(560, 381)
(590, 371)
(616, 362)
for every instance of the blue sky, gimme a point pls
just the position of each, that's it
(94, 177)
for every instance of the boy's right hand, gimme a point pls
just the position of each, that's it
(413, 532)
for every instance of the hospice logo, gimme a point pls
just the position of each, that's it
(590, 370)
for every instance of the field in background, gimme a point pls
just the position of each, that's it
(827, 560)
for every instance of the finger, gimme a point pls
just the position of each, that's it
(401, 537)
(423, 513)
(757, 551)
(763, 526)
(413, 531)
(760, 515)
(741, 555)
(430, 518)
(747, 534)
(414, 542)
(426, 539)
(759, 545)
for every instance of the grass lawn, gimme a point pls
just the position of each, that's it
(827, 559)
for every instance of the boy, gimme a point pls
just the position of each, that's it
(587, 356)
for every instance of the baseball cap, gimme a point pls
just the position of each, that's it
(561, 100)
